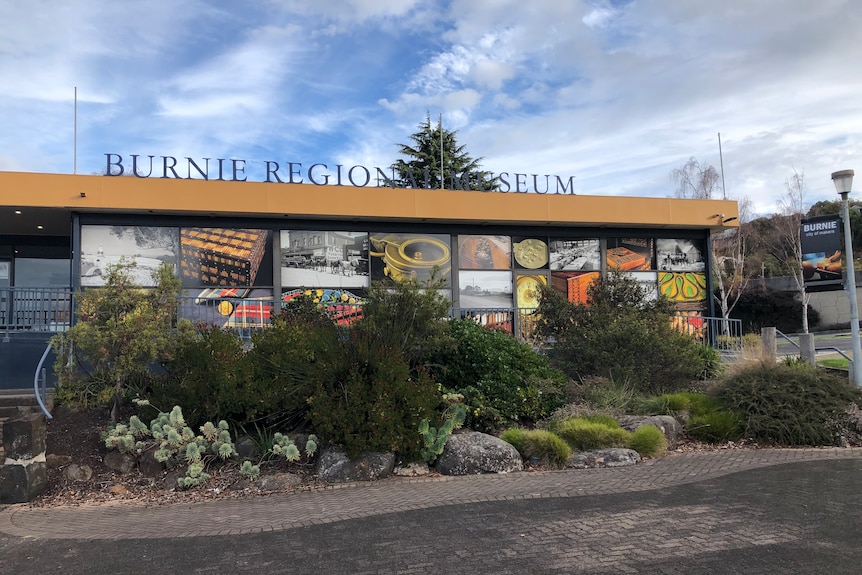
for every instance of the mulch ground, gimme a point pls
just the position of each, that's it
(78, 434)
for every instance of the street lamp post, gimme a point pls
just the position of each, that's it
(843, 182)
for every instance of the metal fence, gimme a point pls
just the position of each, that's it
(35, 309)
(246, 316)
(50, 310)
(519, 322)
(720, 333)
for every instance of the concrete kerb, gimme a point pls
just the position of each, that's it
(275, 512)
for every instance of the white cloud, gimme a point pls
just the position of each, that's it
(338, 16)
(616, 93)
(242, 79)
(599, 17)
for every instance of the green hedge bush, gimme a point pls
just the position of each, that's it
(212, 374)
(622, 334)
(502, 381)
(790, 405)
(205, 374)
(372, 401)
(285, 362)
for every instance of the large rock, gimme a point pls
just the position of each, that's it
(120, 462)
(24, 473)
(20, 483)
(247, 448)
(335, 467)
(81, 473)
(610, 457)
(471, 453)
(24, 437)
(278, 481)
(148, 465)
(411, 470)
(667, 424)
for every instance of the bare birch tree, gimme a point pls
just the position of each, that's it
(696, 181)
(729, 272)
(788, 226)
(729, 246)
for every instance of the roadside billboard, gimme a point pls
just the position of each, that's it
(822, 254)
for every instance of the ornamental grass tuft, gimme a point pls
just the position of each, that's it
(648, 441)
(584, 435)
(539, 445)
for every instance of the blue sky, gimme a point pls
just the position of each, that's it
(616, 93)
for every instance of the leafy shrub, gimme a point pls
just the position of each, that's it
(539, 445)
(621, 334)
(501, 380)
(648, 441)
(604, 393)
(212, 374)
(408, 317)
(120, 331)
(204, 375)
(711, 360)
(584, 435)
(301, 347)
(371, 401)
(715, 427)
(790, 405)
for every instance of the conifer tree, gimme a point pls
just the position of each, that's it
(422, 168)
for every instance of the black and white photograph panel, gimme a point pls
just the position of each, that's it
(485, 289)
(648, 281)
(329, 259)
(146, 246)
(575, 255)
(680, 255)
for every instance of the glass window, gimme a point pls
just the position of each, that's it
(42, 272)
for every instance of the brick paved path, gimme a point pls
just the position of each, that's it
(360, 500)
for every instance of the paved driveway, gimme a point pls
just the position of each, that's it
(735, 511)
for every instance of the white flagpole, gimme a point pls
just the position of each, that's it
(721, 159)
(75, 135)
(442, 178)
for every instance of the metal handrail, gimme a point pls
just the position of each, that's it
(41, 390)
(835, 349)
(788, 340)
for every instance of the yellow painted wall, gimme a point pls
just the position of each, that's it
(157, 195)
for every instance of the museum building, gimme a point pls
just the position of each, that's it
(241, 247)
